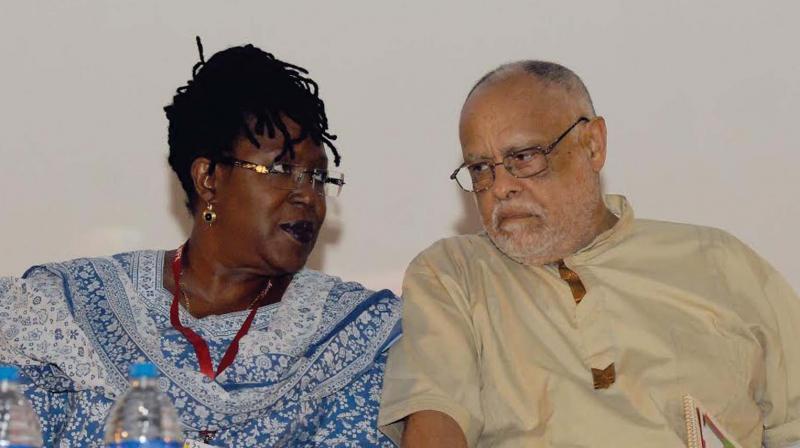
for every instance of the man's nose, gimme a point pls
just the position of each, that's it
(505, 185)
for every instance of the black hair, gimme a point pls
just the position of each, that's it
(235, 88)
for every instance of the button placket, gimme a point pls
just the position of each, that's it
(593, 330)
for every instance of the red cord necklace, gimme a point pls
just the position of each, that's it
(199, 344)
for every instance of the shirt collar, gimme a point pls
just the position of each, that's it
(619, 206)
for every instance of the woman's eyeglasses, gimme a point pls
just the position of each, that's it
(286, 176)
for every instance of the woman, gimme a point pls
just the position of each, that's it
(253, 349)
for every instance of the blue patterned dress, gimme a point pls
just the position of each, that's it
(309, 372)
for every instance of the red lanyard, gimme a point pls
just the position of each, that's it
(200, 345)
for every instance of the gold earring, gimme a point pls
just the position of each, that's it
(209, 216)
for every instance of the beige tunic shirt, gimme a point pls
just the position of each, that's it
(503, 348)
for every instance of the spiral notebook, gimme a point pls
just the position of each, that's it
(702, 431)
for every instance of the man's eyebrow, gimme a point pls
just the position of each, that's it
(511, 149)
(517, 148)
(471, 158)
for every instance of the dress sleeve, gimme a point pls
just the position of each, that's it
(434, 366)
(349, 418)
(38, 332)
(51, 404)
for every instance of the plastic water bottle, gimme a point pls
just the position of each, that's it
(143, 417)
(19, 425)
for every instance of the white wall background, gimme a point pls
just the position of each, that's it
(701, 101)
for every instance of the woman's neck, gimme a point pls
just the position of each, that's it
(213, 284)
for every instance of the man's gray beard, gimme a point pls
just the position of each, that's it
(546, 238)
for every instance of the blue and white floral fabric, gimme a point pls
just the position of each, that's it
(309, 372)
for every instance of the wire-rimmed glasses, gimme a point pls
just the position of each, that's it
(286, 176)
(479, 176)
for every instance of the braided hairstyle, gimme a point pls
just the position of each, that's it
(226, 95)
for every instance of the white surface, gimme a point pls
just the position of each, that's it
(700, 98)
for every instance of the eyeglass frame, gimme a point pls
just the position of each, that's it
(545, 151)
(270, 169)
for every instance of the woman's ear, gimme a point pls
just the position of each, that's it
(204, 179)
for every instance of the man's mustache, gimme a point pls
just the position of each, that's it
(517, 209)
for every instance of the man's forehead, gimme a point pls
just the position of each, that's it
(514, 93)
(513, 138)
(512, 113)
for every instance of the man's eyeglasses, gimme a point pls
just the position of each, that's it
(286, 176)
(479, 176)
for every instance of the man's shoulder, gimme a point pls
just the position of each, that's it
(459, 257)
(458, 246)
(714, 243)
(682, 231)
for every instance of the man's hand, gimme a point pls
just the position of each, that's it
(432, 429)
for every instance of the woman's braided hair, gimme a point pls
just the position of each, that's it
(227, 94)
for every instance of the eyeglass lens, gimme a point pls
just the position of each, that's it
(480, 176)
(291, 177)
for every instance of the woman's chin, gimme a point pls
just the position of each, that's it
(284, 255)
(291, 263)
(294, 267)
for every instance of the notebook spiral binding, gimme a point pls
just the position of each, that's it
(692, 420)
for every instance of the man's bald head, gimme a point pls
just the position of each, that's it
(549, 72)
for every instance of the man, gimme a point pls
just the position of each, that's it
(569, 323)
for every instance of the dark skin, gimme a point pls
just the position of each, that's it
(434, 429)
(230, 262)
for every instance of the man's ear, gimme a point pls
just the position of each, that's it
(204, 179)
(595, 140)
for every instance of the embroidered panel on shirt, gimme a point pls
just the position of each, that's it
(602, 378)
(572, 279)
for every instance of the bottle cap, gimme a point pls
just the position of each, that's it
(143, 370)
(9, 373)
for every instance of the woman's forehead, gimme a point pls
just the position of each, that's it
(275, 143)
(305, 152)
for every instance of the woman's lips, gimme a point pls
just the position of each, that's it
(302, 231)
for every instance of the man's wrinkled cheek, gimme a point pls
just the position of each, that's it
(485, 208)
